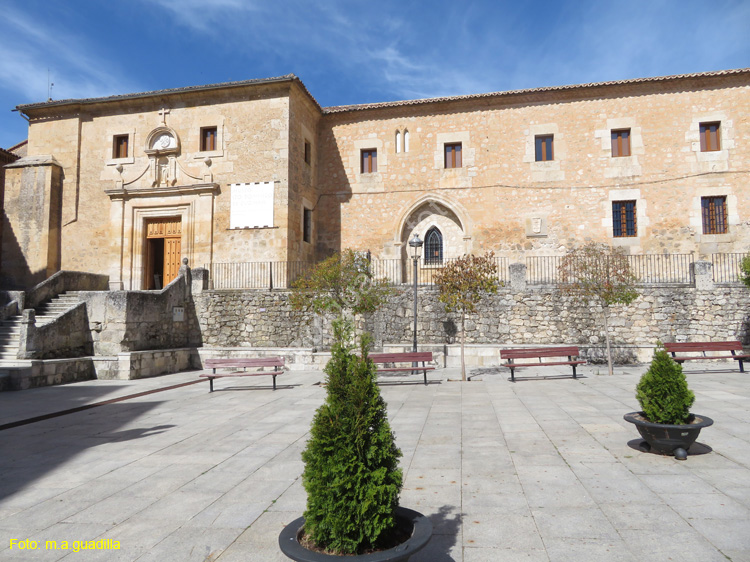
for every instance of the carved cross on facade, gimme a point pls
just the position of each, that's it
(164, 112)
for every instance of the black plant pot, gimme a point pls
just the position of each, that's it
(669, 439)
(415, 524)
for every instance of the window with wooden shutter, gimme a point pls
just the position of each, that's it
(208, 139)
(543, 148)
(453, 155)
(369, 161)
(120, 146)
(621, 143)
(710, 137)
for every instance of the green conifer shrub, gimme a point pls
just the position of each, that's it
(351, 461)
(663, 391)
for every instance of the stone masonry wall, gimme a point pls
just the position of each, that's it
(535, 316)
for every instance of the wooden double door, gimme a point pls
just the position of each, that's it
(163, 249)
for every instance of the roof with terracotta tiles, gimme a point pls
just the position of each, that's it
(380, 105)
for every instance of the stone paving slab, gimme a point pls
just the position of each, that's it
(538, 470)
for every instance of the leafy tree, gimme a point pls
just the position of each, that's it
(340, 283)
(745, 270)
(462, 284)
(602, 274)
(663, 391)
(351, 471)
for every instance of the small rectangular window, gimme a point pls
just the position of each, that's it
(307, 225)
(624, 221)
(543, 148)
(208, 139)
(120, 146)
(621, 143)
(369, 161)
(453, 155)
(308, 152)
(714, 214)
(710, 137)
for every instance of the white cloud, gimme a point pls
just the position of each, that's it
(31, 49)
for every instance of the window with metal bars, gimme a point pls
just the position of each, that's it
(120, 146)
(208, 138)
(621, 143)
(453, 155)
(624, 219)
(543, 148)
(433, 247)
(714, 212)
(369, 161)
(710, 137)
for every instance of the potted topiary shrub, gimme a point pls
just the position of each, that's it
(351, 471)
(665, 422)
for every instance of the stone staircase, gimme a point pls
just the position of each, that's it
(10, 328)
(10, 332)
(51, 309)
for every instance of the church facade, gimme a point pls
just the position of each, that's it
(257, 171)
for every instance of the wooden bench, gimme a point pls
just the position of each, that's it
(242, 363)
(408, 357)
(703, 347)
(512, 355)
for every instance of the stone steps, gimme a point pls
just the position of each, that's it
(51, 309)
(10, 333)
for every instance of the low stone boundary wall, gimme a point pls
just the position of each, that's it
(123, 366)
(534, 316)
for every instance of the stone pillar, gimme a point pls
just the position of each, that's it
(517, 277)
(116, 234)
(703, 273)
(200, 280)
(31, 249)
(27, 337)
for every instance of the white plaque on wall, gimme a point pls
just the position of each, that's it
(252, 205)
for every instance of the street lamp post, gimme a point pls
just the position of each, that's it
(416, 245)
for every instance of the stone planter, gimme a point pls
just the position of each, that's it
(668, 439)
(421, 532)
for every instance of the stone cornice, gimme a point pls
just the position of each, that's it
(177, 190)
(30, 161)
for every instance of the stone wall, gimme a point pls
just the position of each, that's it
(533, 316)
(68, 336)
(123, 321)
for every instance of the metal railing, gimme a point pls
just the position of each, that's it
(281, 275)
(649, 269)
(257, 275)
(726, 268)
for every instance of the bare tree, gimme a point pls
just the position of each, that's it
(462, 284)
(601, 274)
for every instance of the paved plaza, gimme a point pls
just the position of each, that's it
(539, 470)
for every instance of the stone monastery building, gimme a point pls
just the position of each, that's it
(257, 171)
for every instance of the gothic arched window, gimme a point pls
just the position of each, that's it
(433, 247)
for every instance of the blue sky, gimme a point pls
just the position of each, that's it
(352, 51)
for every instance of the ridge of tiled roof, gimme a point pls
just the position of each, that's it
(7, 153)
(153, 93)
(386, 104)
(17, 145)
